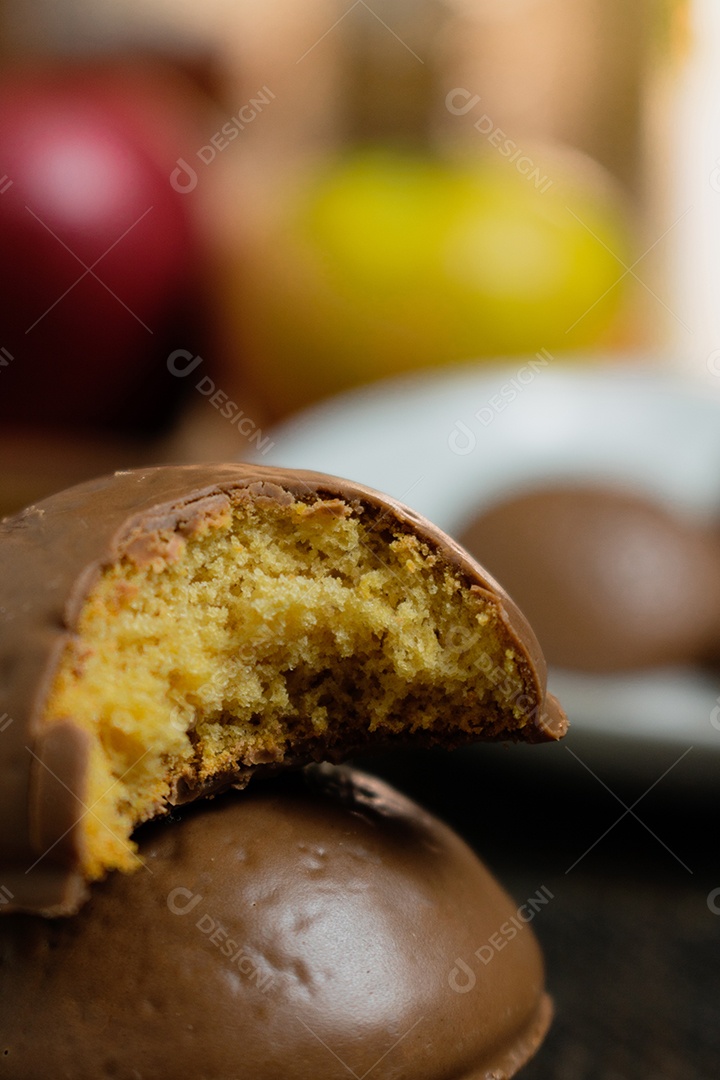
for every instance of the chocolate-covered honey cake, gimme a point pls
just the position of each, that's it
(314, 927)
(166, 632)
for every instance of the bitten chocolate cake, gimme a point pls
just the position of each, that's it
(307, 929)
(166, 632)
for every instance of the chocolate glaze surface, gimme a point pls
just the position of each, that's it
(52, 554)
(611, 580)
(315, 926)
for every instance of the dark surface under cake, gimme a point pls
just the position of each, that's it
(631, 934)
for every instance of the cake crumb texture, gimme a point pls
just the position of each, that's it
(269, 631)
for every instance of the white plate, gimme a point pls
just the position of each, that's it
(450, 442)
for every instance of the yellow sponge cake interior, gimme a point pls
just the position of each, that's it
(268, 631)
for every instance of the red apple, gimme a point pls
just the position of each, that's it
(99, 254)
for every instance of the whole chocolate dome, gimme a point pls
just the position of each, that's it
(316, 926)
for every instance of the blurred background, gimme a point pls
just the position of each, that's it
(468, 252)
(310, 200)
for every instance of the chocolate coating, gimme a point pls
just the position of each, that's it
(308, 929)
(610, 580)
(53, 553)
